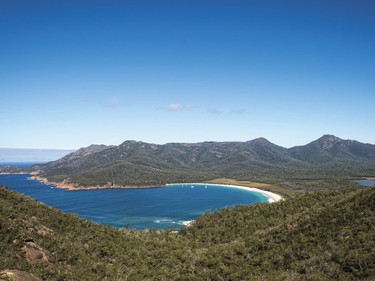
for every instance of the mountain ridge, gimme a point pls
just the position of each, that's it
(136, 163)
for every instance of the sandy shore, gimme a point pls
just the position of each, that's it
(367, 179)
(272, 197)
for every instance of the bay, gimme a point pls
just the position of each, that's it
(366, 183)
(170, 207)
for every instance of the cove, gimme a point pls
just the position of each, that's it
(170, 207)
(366, 183)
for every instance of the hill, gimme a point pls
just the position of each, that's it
(142, 164)
(330, 150)
(327, 235)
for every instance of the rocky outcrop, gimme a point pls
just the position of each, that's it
(17, 275)
(34, 253)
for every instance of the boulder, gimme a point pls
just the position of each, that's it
(34, 253)
(17, 275)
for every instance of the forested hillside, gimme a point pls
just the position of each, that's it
(143, 164)
(327, 235)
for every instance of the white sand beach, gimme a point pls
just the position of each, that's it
(272, 197)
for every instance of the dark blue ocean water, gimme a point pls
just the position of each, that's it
(169, 207)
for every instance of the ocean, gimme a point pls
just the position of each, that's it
(170, 207)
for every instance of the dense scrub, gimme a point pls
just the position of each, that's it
(137, 163)
(328, 235)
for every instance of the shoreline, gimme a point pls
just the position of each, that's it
(272, 197)
(368, 179)
(72, 187)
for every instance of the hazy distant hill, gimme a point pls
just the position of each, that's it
(31, 155)
(139, 163)
(75, 157)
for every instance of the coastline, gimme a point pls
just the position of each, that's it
(272, 197)
(73, 187)
(368, 179)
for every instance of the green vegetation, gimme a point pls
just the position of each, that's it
(279, 189)
(326, 162)
(325, 235)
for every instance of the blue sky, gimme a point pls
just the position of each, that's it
(73, 74)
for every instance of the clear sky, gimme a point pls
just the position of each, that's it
(73, 73)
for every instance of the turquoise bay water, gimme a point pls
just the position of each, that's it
(169, 207)
(366, 183)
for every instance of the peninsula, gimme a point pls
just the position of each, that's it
(328, 161)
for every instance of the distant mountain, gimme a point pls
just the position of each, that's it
(74, 158)
(143, 164)
(31, 155)
(331, 149)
